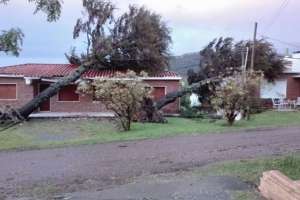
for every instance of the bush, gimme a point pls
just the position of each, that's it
(256, 105)
(187, 111)
(123, 95)
(236, 95)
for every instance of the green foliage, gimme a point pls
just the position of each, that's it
(52, 8)
(138, 39)
(97, 15)
(256, 105)
(234, 95)
(223, 57)
(267, 60)
(187, 111)
(123, 94)
(142, 39)
(11, 40)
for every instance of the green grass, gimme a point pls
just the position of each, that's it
(251, 170)
(56, 133)
(245, 195)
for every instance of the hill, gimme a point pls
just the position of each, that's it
(181, 64)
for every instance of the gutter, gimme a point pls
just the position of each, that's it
(55, 80)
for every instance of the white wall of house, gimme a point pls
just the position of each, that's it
(277, 89)
(294, 66)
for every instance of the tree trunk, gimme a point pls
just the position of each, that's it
(172, 96)
(52, 90)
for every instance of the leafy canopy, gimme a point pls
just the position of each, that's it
(233, 96)
(12, 40)
(52, 8)
(222, 57)
(123, 95)
(138, 39)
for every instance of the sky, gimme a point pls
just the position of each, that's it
(193, 23)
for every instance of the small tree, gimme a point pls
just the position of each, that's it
(233, 96)
(123, 95)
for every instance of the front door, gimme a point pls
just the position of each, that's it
(45, 106)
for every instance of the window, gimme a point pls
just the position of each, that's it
(158, 92)
(68, 93)
(8, 91)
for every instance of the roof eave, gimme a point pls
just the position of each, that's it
(144, 78)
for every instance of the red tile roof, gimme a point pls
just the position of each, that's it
(59, 70)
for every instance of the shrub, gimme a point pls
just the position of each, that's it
(123, 95)
(234, 96)
(187, 111)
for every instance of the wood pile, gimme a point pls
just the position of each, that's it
(276, 186)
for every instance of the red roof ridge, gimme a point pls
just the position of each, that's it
(58, 70)
(25, 64)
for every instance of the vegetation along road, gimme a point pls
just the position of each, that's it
(98, 166)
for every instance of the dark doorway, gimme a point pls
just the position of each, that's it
(45, 106)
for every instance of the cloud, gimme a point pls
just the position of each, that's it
(193, 22)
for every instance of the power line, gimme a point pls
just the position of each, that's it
(281, 41)
(277, 14)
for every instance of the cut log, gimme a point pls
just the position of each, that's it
(276, 186)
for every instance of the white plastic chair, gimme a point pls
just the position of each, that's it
(276, 103)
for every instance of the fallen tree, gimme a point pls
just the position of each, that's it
(137, 40)
(52, 90)
(173, 96)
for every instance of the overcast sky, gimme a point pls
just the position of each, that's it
(193, 23)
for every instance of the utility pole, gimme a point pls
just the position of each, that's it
(253, 48)
(244, 64)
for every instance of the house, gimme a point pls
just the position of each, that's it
(288, 85)
(20, 83)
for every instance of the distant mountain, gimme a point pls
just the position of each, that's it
(181, 64)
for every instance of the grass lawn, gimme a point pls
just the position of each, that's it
(55, 133)
(251, 170)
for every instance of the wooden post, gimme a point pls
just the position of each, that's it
(253, 48)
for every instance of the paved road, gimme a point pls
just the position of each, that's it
(101, 165)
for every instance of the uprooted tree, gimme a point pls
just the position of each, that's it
(138, 40)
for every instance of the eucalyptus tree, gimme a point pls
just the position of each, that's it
(223, 57)
(137, 39)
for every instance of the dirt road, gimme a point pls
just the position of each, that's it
(98, 166)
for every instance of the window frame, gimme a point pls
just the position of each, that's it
(62, 101)
(165, 88)
(16, 85)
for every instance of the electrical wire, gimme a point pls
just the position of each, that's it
(277, 14)
(281, 41)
